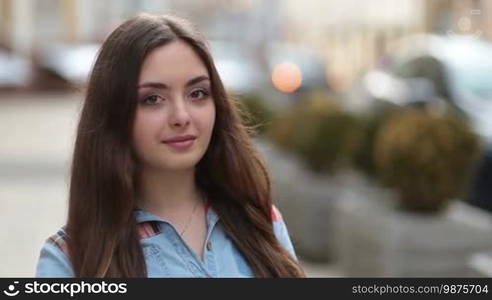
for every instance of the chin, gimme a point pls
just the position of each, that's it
(179, 167)
(175, 162)
(180, 164)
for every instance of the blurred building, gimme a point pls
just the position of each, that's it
(62, 36)
(350, 35)
(354, 36)
(25, 24)
(28, 24)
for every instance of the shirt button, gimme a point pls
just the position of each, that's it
(209, 245)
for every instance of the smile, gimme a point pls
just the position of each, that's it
(181, 145)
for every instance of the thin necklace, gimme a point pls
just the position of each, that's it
(189, 219)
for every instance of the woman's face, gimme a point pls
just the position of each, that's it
(176, 112)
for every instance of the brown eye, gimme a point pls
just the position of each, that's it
(199, 94)
(152, 100)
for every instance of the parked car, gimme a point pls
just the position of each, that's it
(16, 71)
(454, 71)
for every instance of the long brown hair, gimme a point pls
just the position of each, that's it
(102, 230)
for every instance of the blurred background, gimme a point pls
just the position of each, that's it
(375, 119)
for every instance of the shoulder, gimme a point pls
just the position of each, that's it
(54, 258)
(59, 240)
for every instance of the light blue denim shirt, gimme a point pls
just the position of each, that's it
(166, 254)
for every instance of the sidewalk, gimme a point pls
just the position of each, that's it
(35, 147)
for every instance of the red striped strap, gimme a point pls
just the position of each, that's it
(276, 215)
(144, 230)
(59, 239)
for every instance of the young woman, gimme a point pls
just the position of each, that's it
(165, 181)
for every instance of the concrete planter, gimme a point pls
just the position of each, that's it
(481, 263)
(373, 238)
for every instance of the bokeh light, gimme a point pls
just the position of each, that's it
(287, 77)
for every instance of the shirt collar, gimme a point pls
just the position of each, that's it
(142, 215)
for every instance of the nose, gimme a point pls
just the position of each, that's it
(180, 116)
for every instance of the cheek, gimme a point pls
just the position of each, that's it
(205, 126)
(210, 121)
(144, 129)
(207, 119)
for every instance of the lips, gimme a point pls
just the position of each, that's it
(180, 143)
(178, 139)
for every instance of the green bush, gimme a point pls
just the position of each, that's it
(363, 158)
(427, 158)
(332, 142)
(291, 127)
(319, 132)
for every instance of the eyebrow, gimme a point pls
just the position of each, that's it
(163, 86)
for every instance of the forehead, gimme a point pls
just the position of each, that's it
(175, 62)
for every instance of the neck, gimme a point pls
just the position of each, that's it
(169, 194)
